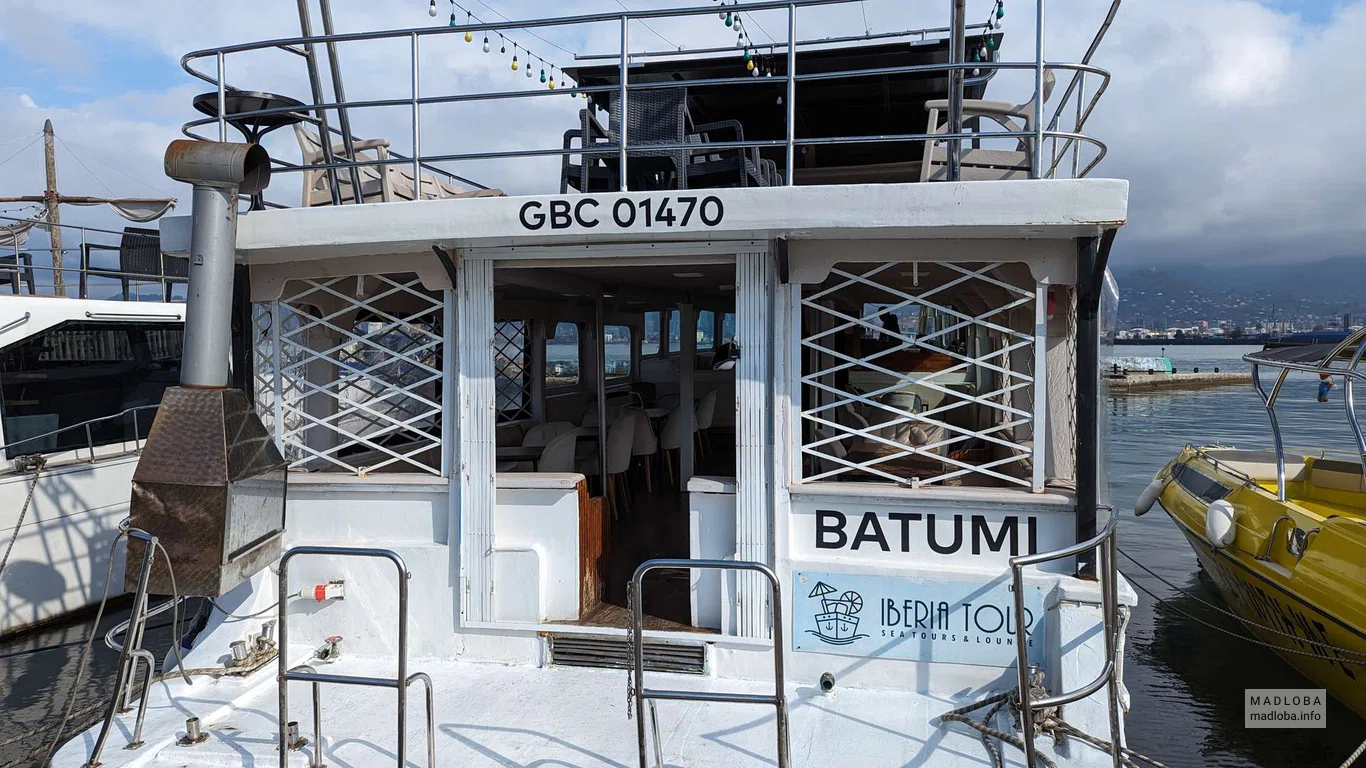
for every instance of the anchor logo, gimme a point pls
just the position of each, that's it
(837, 620)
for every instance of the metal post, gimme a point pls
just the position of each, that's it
(343, 120)
(1092, 255)
(957, 55)
(149, 550)
(417, 126)
(1022, 665)
(1110, 606)
(791, 94)
(208, 306)
(1037, 161)
(1076, 145)
(621, 104)
(600, 395)
(1350, 403)
(222, 98)
(1040, 394)
(54, 210)
(1269, 402)
(316, 88)
(687, 394)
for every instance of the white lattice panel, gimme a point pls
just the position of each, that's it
(970, 412)
(349, 371)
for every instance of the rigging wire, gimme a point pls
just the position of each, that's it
(95, 156)
(21, 138)
(654, 31)
(81, 162)
(863, 7)
(19, 152)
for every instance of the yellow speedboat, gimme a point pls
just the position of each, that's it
(1284, 536)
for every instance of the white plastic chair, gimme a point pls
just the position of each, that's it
(378, 183)
(542, 434)
(558, 454)
(620, 435)
(706, 414)
(985, 164)
(644, 443)
(671, 438)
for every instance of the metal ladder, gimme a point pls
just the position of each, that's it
(1109, 675)
(777, 699)
(308, 674)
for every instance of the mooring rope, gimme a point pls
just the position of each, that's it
(1361, 750)
(37, 462)
(1355, 657)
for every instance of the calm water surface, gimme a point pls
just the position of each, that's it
(1186, 680)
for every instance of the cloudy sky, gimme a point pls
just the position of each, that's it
(1235, 120)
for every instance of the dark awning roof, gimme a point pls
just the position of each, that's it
(844, 106)
(1309, 355)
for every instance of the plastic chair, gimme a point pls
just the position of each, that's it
(985, 164)
(644, 443)
(706, 413)
(620, 436)
(558, 454)
(542, 434)
(671, 438)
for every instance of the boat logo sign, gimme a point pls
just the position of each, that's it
(837, 620)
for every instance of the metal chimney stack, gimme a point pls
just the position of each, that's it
(211, 482)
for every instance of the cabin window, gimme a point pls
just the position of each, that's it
(675, 335)
(562, 356)
(919, 374)
(617, 341)
(706, 329)
(512, 380)
(649, 342)
(728, 328)
(79, 371)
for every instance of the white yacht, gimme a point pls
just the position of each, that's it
(771, 436)
(91, 325)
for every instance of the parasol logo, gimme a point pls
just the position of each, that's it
(836, 617)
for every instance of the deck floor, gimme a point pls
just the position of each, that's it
(493, 715)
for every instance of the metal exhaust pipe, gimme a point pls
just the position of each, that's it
(218, 171)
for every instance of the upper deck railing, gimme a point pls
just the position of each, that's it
(1064, 126)
(126, 265)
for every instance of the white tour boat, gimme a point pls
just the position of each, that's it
(772, 437)
(91, 322)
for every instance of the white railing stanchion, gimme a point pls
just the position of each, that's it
(791, 105)
(1037, 160)
(622, 119)
(417, 124)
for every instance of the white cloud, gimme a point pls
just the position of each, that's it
(1234, 121)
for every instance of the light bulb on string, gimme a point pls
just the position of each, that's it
(454, 23)
(543, 74)
(502, 44)
(740, 40)
(486, 43)
(528, 64)
(1000, 10)
(469, 37)
(729, 20)
(431, 9)
(514, 57)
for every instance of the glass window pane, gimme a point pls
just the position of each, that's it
(649, 344)
(562, 356)
(675, 339)
(706, 329)
(617, 340)
(79, 371)
(728, 328)
(512, 385)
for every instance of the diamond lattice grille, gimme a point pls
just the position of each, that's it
(510, 370)
(944, 399)
(357, 372)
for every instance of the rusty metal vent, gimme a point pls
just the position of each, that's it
(614, 652)
(211, 487)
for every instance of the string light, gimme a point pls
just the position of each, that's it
(431, 9)
(516, 64)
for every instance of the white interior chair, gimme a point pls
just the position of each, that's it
(671, 438)
(833, 448)
(984, 164)
(706, 414)
(378, 183)
(542, 434)
(644, 443)
(558, 454)
(620, 435)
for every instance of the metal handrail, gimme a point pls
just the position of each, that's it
(400, 682)
(86, 425)
(779, 697)
(137, 278)
(1104, 543)
(1036, 136)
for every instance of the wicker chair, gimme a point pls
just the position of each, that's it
(655, 116)
(140, 256)
(726, 167)
(19, 267)
(591, 174)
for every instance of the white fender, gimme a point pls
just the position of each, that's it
(1221, 523)
(1148, 498)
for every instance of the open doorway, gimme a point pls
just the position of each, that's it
(625, 375)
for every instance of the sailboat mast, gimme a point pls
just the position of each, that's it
(54, 215)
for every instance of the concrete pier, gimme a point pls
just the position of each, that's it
(1151, 382)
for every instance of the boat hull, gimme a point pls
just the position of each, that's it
(1280, 606)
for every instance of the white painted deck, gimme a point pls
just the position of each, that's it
(494, 715)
